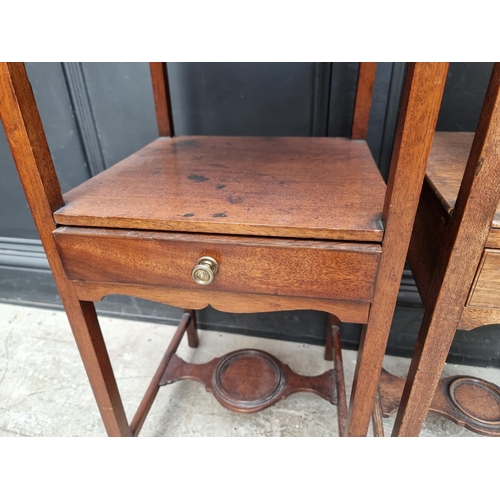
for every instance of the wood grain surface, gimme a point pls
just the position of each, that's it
(427, 238)
(161, 95)
(493, 240)
(473, 317)
(418, 116)
(449, 154)
(485, 290)
(301, 268)
(152, 390)
(467, 234)
(24, 132)
(364, 94)
(348, 312)
(326, 188)
(249, 380)
(467, 401)
(333, 331)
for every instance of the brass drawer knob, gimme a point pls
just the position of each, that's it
(205, 270)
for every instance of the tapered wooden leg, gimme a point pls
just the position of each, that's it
(418, 116)
(364, 387)
(87, 332)
(24, 131)
(154, 386)
(377, 417)
(372, 345)
(332, 320)
(433, 344)
(466, 237)
(333, 352)
(339, 375)
(192, 330)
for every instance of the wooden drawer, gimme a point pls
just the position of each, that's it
(485, 290)
(273, 266)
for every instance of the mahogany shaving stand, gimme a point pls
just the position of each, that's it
(244, 224)
(454, 255)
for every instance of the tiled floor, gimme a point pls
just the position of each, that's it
(44, 389)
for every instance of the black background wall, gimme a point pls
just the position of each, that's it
(96, 114)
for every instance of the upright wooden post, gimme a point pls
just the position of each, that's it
(363, 103)
(161, 94)
(418, 116)
(467, 233)
(28, 144)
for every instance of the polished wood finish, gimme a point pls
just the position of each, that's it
(473, 317)
(153, 388)
(236, 199)
(427, 238)
(467, 401)
(161, 95)
(419, 111)
(493, 240)
(485, 291)
(447, 162)
(192, 329)
(349, 312)
(249, 380)
(446, 168)
(467, 234)
(445, 172)
(363, 102)
(24, 132)
(244, 381)
(332, 322)
(334, 333)
(238, 185)
(303, 268)
(333, 352)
